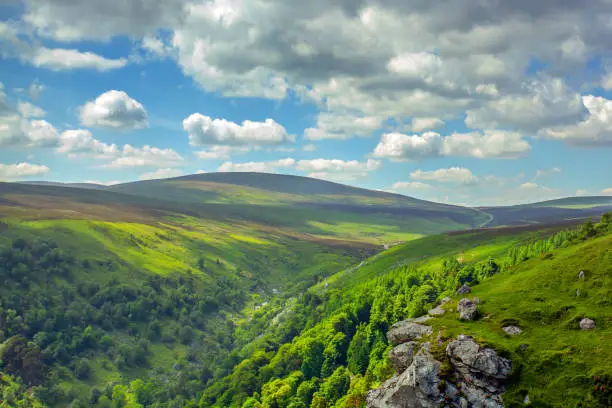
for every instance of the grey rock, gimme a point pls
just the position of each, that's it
(512, 330)
(581, 275)
(437, 311)
(445, 301)
(465, 289)
(587, 324)
(480, 372)
(419, 320)
(416, 387)
(405, 331)
(467, 309)
(401, 356)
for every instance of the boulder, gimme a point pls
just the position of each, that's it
(480, 372)
(463, 290)
(405, 331)
(417, 387)
(445, 301)
(467, 309)
(581, 275)
(437, 311)
(512, 330)
(401, 356)
(587, 324)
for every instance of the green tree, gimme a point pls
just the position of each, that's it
(359, 351)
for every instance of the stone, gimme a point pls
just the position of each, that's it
(405, 331)
(417, 387)
(587, 324)
(526, 400)
(401, 356)
(445, 301)
(467, 309)
(581, 275)
(512, 330)
(437, 311)
(463, 290)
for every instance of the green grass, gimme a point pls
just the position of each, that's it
(559, 361)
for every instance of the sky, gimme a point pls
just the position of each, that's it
(472, 102)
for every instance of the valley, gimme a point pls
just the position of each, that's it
(261, 290)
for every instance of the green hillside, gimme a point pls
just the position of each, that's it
(338, 349)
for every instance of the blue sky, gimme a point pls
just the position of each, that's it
(466, 102)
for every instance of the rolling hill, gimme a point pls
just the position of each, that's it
(214, 290)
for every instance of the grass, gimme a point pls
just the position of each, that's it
(559, 361)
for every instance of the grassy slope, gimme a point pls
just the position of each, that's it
(550, 211)
(557, 367)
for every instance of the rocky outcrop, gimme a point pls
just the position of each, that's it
(418, 386)
(464, 289)
(407, 330)
(473, 377)
(467, 309)
(401, 356)
(480, 372)
(587, 324)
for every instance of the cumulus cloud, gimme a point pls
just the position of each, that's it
(421, 124)
(606, 191)
(114, 110)
(35, 90)
(542, 104)
(411, 186)
(336, 169)
(309, 148)
(259, 167)
(10, 172)
(457, 175)
(595, 130)
(203, 130)
(81, 143)
(545, 172)
(342, 126)
(17, 130)
(17, 43)
(161, 174)
(27, 110)
(221, 152)
(488, 144)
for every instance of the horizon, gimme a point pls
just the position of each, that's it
(68, 183)
(470, 103)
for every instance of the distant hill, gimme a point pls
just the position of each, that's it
(92, 186)
(563, 209)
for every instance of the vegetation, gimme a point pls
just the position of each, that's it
(112, 300)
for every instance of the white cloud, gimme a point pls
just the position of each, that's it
(114, 110)
(18, 132)
(342, 126)
(335, 169)
(161, 174)
(103, 183)
(221, 152)
(421, 124)
(582, 192)
(489, 144)
(457, 175)
(607, 191)
(10, 172)
(259, 167)
(59, 59)
(309, 148)
(80, 142)
(27, 110)
(415, 186)
(542, 104)
(203, 130)
(200, 171)
(595, 130)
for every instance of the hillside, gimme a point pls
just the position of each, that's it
(338, 349)
(571, 208)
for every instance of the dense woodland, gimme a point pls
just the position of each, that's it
(324, 348)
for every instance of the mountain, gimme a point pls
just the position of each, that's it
(57, 184)
(242, 290)
(571, 208)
